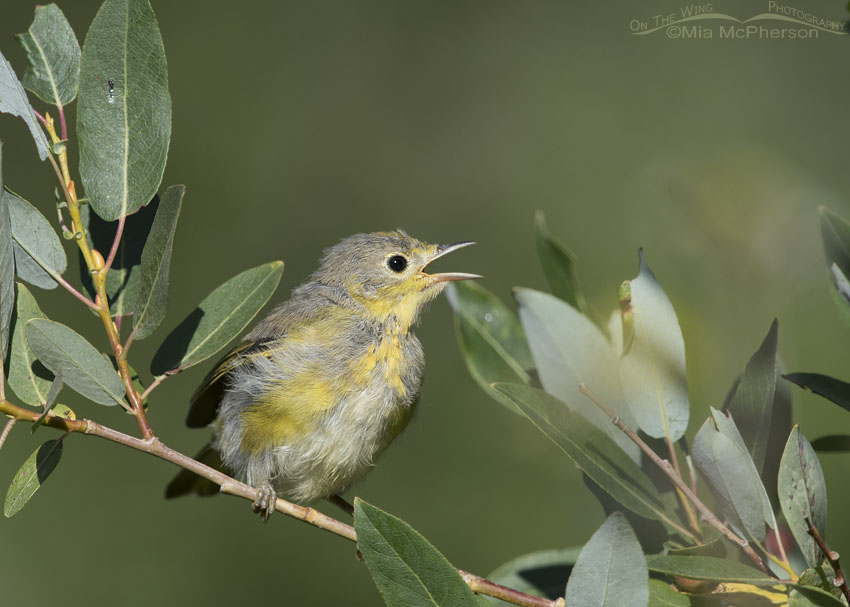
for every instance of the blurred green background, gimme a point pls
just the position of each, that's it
(296, 124)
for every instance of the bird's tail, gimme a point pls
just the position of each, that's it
(188, 482)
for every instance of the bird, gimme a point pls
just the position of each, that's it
(303, 406)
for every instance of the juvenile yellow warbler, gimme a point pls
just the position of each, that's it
(311, 397)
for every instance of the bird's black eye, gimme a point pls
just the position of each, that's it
(397, 263)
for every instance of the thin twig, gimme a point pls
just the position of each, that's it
(231, 486)
(158, 380)
(832, 556)
(75, 293)
(41, 118)
(707, 515)
(6, 429)
(119, 231)
(484, 586)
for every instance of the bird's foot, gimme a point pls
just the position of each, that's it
(265, 503)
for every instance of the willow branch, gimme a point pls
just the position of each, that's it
(832, 556)
(231, 486)
(707, 515)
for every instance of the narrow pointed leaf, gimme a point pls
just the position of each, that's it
(570, 350)
(542, 573)
(54, 56)
(727, 426)
(490, 337)
(31, 476)
(156, 259)
(408, 571)
(802, 493)
(707, 568)
(13, 100)
(83, 368)
(7, 269)
(830, 388)
(219, 318)
(39, 256)
(55, 388)
(611, 569)
(752, 403)
(591, 450)
(559, 265)
(124, 113)
(727, 467)
(29, 379)
(653, 370)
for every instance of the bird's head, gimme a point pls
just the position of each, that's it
(385, 272)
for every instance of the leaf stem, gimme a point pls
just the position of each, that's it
(157, 380)
(832, 556)
(231, 486)
(119, 231)
(707, 515)
(75, 293)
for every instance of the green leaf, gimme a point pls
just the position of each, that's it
(13, 100)
(559, 266)
(832, 443)
(722, 458)
(836, 239)
(570, 350)
(611, 569)
(408, 571)
(653, 370)
(7, 268)
(83, 368)
(219, 318)
(31, 476)
(29, 379)
(54, 56)
(55, 388)
(752, 403)
(124, 127)
(490, 338)
(662, 595)
(808, 596)
(802, 493)
(156, 259)
(39, 256)
(830, 388)
(708, 568)
(542, 573)
(591, 450)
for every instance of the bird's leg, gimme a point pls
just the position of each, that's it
(265, 503)
(340, 501)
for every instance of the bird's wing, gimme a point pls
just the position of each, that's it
(205, 400)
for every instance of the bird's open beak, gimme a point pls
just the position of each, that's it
(444, 249)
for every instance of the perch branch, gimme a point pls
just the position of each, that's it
(231, 486)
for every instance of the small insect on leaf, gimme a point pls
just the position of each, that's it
(31, 476)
